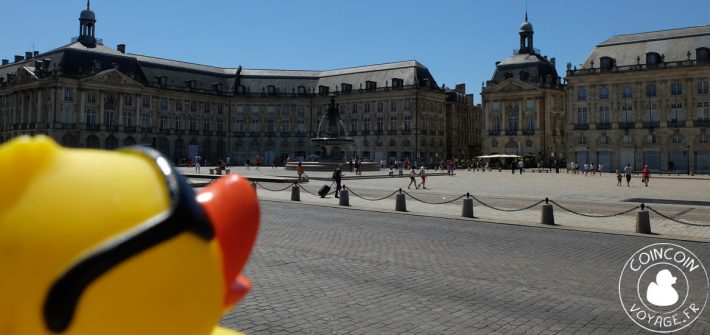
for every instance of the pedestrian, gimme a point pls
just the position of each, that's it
(422, 174)
(400, 168)
(357, 166)
(521, 165)
(246, 163)
(412, 179)
(646, 174)
(628, 170)
(258, 162)
(619, 177)
(299, 171)
(600, 169)
(350, 165)
(197, 163)
(337, 178)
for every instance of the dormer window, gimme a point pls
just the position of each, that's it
(271, 90)
(301, 90)
(323, 90)
(163, 81)
(346, 88)
(702, 55)
(653, 58)
(191, 83)
(370, 85)
(524, 75)
(606, 63)
(397, 83)
(241, 89)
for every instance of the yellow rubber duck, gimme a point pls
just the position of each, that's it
(96, 242)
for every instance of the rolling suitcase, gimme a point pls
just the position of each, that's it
(324, 191)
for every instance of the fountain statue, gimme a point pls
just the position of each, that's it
(330, 144)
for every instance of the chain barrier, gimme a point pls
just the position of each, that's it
(273, 190)
(433, 203)
(595, 215)
(370, 199)
(676, 220)
(506, 209)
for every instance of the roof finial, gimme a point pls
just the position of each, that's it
(526, 10)
(88, 4)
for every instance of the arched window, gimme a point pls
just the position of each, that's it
(111, 142)
(653, 58)
(92, 142)
(606, 63)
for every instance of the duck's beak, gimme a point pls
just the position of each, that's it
(232, 207)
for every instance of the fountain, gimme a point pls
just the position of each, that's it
(330, 141)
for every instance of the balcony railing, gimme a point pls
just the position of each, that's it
(581, 126)
(511, 132)
(365, 132)
(165, 131)
(407, 132)
(528, 131)
(179, 131)
(111, 128)
(392, 132)
(676, 123)
(627, 125)
(146, 130)
(701, 123)
(651, 124)
(637, 67)
(494, 132)
(604, 125)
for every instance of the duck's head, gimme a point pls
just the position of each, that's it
(115, 242)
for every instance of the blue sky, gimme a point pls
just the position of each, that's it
(458, 40)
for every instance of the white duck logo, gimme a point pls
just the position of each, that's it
(661, 292)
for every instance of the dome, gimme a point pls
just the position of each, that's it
(530, 68)
(87, 14)
(526, 26)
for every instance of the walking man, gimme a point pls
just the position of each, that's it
(412, 178)
(337, 178)
(422, 174)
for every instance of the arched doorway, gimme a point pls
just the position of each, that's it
(164, 146)
(92, 142)
(129, 141)
(111, 142)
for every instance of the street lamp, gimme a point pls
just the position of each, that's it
(687, 157)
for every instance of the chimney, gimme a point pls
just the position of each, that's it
(121, 48)
(18, 58)
(553, 60)
(36, 53)
(28, 54)
(5, 61)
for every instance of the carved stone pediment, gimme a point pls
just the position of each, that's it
(511, 85)
(112, 77)
(24, 75)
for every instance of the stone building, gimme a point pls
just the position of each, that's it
(85, 94)
(463, 124)
(524, 105)
(642, 99)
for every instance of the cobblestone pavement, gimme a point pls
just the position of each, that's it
(595, 195)
(324, 270)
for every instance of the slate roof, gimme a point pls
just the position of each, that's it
(77, 60)
(674, 44)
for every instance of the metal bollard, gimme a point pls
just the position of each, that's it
(295, 193)
(401, 205)
(548, 216)
(643, 221)
(344, 200)
(467, 211)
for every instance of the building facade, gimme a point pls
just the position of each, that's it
(524, 105)
(642, 99)
(463, 124)
(85, 94)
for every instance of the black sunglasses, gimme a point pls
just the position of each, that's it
(185, 214)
